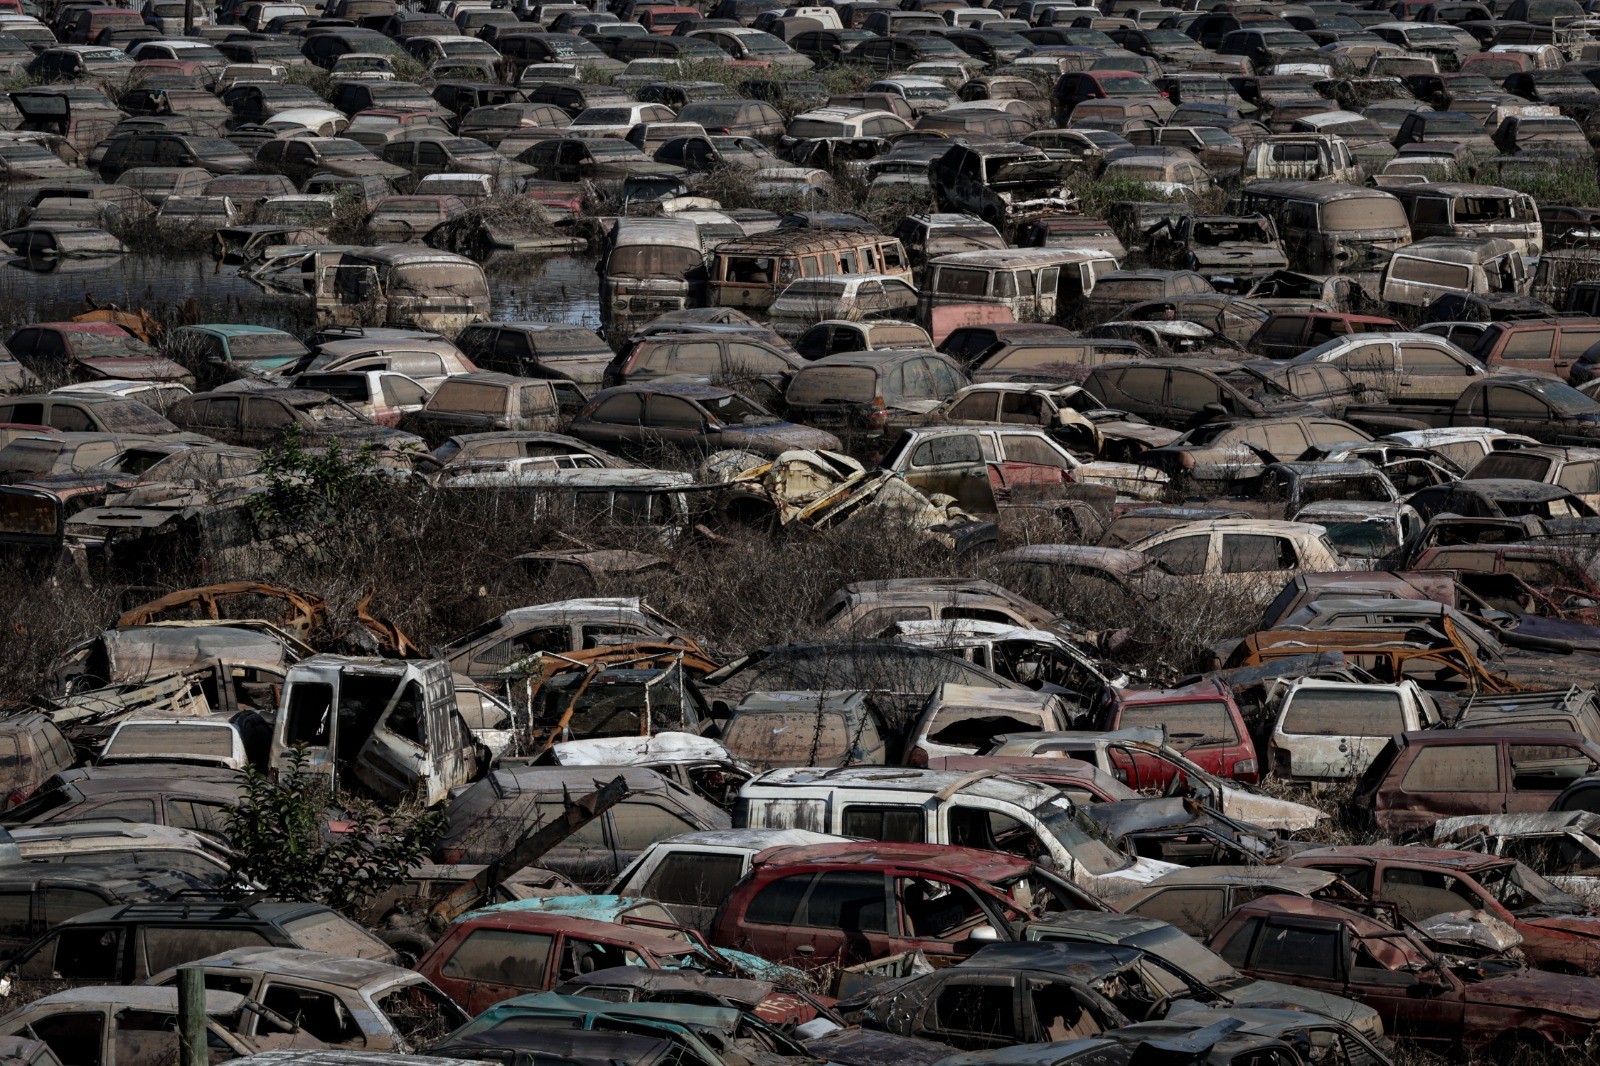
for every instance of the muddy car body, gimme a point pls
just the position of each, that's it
(1343, 952)
(1001, 184)
(133, 1026)
(772, 729)
(396, 728)
(872, 802)
(974, 889)
(391, 285)
(1128, 752)
(1073, 416)
(1427, 885)
(1326, 226)
(489, 816)
(364, 1004)
(1328, 730)
(693, 873)
(1238, 246)
(1195, 967)
(1490, 771)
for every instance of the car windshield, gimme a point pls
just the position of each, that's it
(1174, 946)
(1082, 838)
(1521, 891)
(735, 410)
(1126, 86)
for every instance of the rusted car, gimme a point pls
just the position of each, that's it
(1421, 777)
(942, 896)
(1434, 885)
(1419, 994)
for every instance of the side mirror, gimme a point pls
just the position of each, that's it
(984, 934)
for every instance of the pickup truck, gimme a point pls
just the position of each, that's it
(1546, 410)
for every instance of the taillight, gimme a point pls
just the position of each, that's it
(917, 757)
(878, 417)
(1246, 770)
(18, 795)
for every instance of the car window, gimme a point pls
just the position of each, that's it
(1298, 951)
(638, 825)
(77, 1038)
(900, 824)
(1547, 767)
(846, 900)
(1026, 448)
(1195, 910)
(777, 903)
(1183, 555)
(170, 946)
(1249, 553)
(1454, 768)
(948, 448)
(500, 956)
(320, 1014)
(978, 1006)
(696, 879)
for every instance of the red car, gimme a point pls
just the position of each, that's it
(1418, 994)
(1202, 721)
(1288, 333)
(495, 955)
(87, 351)
(1424, 882)
(841, 904)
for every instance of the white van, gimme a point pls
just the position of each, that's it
(983, 809)
(1331, 731)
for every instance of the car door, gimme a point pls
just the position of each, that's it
(1414, 1000)
(1450, 779)
(264, 420)
(1538, 773)
(672, 421)
(954, 464)
(974, 1012)
(1518, 410)
(479, 967)
(614, 422)
(1028, 465)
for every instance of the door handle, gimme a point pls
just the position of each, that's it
(805, 949)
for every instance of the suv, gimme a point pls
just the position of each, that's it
(993, 813)
(127, 944)
(1551, 345)
(1421, 777)
(1002, 184)
(1201, 720)
(538, 350)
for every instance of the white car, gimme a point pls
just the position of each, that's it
(616, 120)
(807, 301)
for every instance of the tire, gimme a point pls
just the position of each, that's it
(408, 943)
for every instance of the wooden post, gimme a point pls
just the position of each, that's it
(188, 18)
(191, 1010)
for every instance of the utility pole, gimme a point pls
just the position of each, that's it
(192, 1000)
(188, 18)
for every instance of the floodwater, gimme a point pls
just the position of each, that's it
(559, 288)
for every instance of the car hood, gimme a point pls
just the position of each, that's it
(1587, 925)
(1277, 996)
(786, 435)
(1538, 627)
(1539, 990)
(134, 367)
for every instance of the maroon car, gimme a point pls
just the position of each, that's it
(1201, 720)
(1421, 777)
(90, 351)
(1485, 1002)
(1557, 932)
(840, 904)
